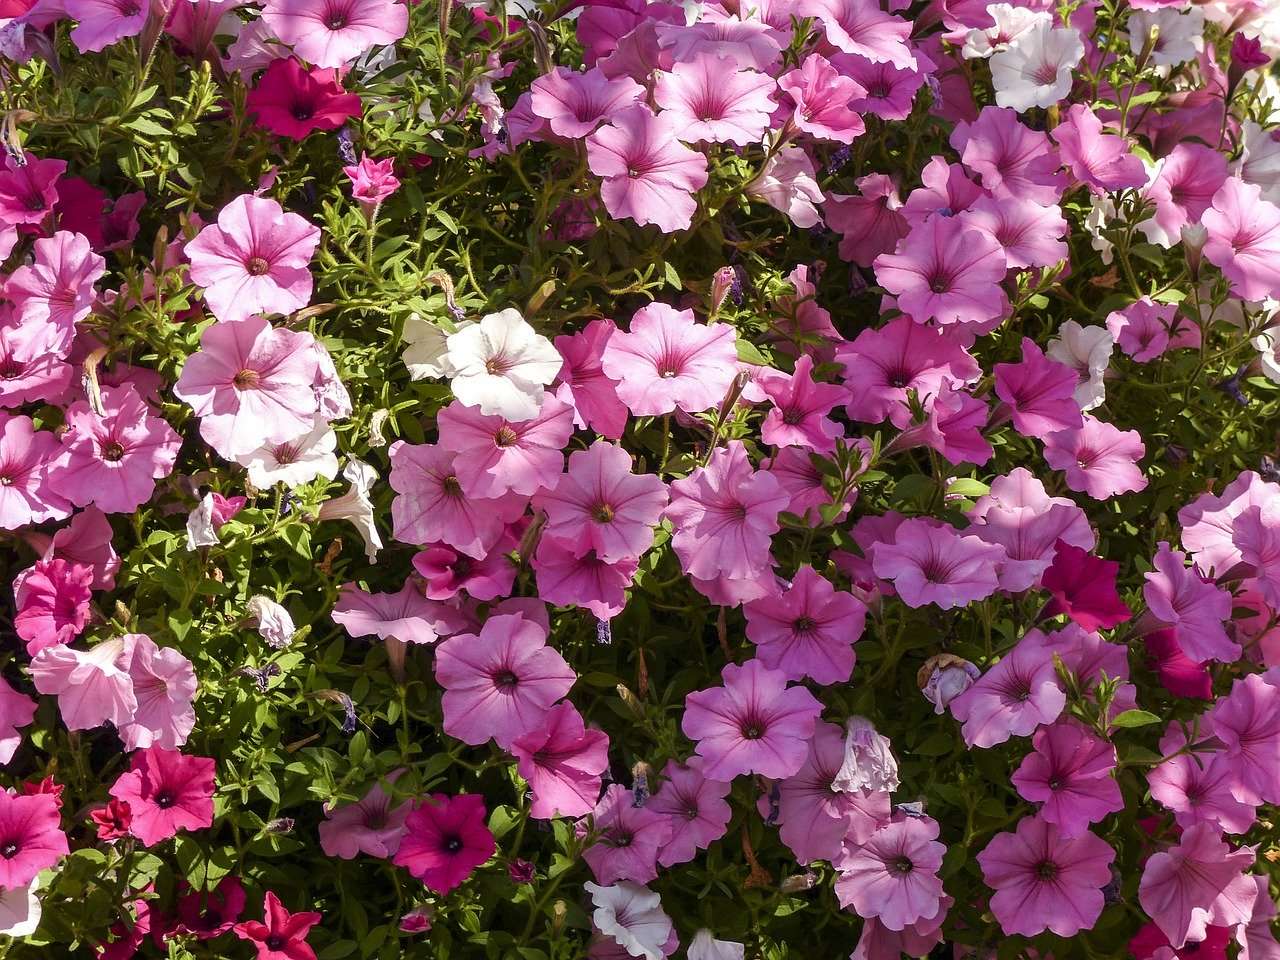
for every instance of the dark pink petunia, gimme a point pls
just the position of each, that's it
(445, 840)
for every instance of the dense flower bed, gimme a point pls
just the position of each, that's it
(638, 479)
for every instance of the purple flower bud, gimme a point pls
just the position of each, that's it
(346, 149)
(944, 677)
(869, 764)
(520, 871)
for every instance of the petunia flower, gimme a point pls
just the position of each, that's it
(630, 916)
(937, 565)
(893, 875)
(799, 415)
(695, 807)
(1247, 721)
(583, 384)
(373, 825)
(1013, 161)
(820, 97)
(29, 191)
(1101, 161)
(1098, 458)
(1009, 23)
(1244, 239)
(92, 687)
(332, 33)
(947, 271)
(16, 710)
(1182, 189)
(572, 573)
(372, 181)
(54, 293)
(211, 913)
(1083, 587)
(445, 839)
(1036, 69)
(627, 837)
(164, 684)
(500, 365)
(1182, 598)
(1028, 233)
(706, 103)
(30, 838)
(807, 631)
(562, 761)
(494, 456)
(167, 792)
(1013, 698)
(52, 600)
(1178, 673)
(574, 104)
(294, 462)
(105, 22)
(890, 91)
(788, 183)
(869, 221)
(1039, 392)
(1197, 788)
(1068, 773)
(280, 935)
(862, 28)
(291, 101)
(1208, 521)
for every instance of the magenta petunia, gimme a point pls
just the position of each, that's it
(562, 761)
(1083, 587)
(800, 411)
(704, 102)
(1197, 788)
(372, 181)
(1247, 721)
(1178, 673)
(445, 839)
(1013, 698)
(585, 386)
(52, 600)
(807, 631)
(1068, 773)
(869, 222)
(696, 809)
(893, 875)
(890, 92)
(25, 457)
(500, 682)
(1039, 392)
(330, 33)
(572, 573)
(946, 271)
(29, 191)
(30, 837)
(292, 101)
(494, 456)
(280, 935)
(447, 572)
(1142, 329)
(754, 723)
(167, 792)
(628, 837)
(1098, 458)
(937, 565)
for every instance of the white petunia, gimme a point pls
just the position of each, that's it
(1036, 70)
(631, 916)
(357, 506)
(200, 532)
(427, 344)
(707, 947)
(20, 910)
(1259, 161)
(272, 621)
(788, 183)
(1010, 23)
(1101, 212)
(501, 365)
(1179, 37)
(1087, 351)
(296, 462)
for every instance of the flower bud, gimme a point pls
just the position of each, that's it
(1194, 237)
(944, 677)
(868, 762)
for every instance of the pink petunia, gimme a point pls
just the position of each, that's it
(820, 97)
(250, 384)
(1247, 721)
(585, 386)
(164, 684)
(1012, 160)
(705, 102)
(1098, 458)
(807, 631)
(52, 600)
(1208, 521)
(952, 426)
(629, 836)
(946, 271)
(331, 33)
(1197, 788)
(1101, 161)
(862, 28)
(167, 792)
(1040, 393)
(800, 410)
(572, 573)
(29, 191)
(105, 22)
(16, 710)
(1029, 234)
(666, 361)
(445, 839)
(695, 807)
(1199, 882)
(725, 515)
(1068, 773)
(893, 875)
(890, 91)
(945, 190)
(405, 615)
(372, 181)
(1256, 533)
(87, 540)
(447, 572)
(649, 176)
(1013, 698)
(789, 184)
(1044, 881)
(254, 259)
(1182, 598)
(869, 221)
(574, 104)
(937, 565)
(93, 687)
(30, 838)
(1182, 190)
(374, 825)
(754, 723)
(281, 935)
(1244, 239)
(494, 456)
(600, 502)
(500, 682)
(1178, 673)
(562, 761)
(292, 101)
(1142, 329)
(53, 294)
(25, 456)
(44, 377)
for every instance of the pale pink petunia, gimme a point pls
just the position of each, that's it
(789, 184)
(1043, 881)
(706, 101)
(1099, 160)
(44, 377)
(574, 104)
(668, 360)
(800, 412)
(893, 875)
(602, 503)
(807, 631)
(749, 42)
(16, 710)
(331, 33)
(1068, 773)
(53, 294)
(93, 687)
(1256, 533)
(1182, 190)
(1099, 459)
(105, 22)
(1197, 787)
(374, 825)
(1247, 722)
(25, 456)
(754, 723)
(250, 384)
(1013, 698)
(947, 271)
(820, 98)
(1028, 233)
(52, 602)
(1013, 161)
(1208, 521)
(1244, 239)
(430, 506)
(164, 684)
(696, 808)
(1039, 393)
(649, 176)
(584, 385)
(1142, 329)
(629, 836)
(254, 259)
(562, 761)
(861, 27)
(494, 456)
(500, 682)
(1199, 882)
(112, 458)
(878, 942)
(725, 515)
(937, 565)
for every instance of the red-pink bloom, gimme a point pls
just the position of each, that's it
(945, 271)
(929, 564)
(500, 683)
(584, 385)
(861, 27)
(330, 33)
(1083, 587)
(1069, 775)
(405, 615)
(53, 294)
(1178, 673)
(800, 410)
(820, 98)
(167, 791)
(667, 360)
(108, 224)
(1244, 239)
(574, 104)
(280, 935)
(788, 183)
(1043, 881)
(445, 840)
(695, 808)
(1013, 161)
(869, 222)
(1040, 393)
(705, 101)
(113, 458)
(725, 515)
(1098, 458)
(649, 176)
(562, 761)
(87, 540)
(494, 456)
(30, 838)
(1247, 721)
(430, 506)
(629, 836)
(211, 913)
(29, 191)
(807, 631)
(52, 600)
(104, 22)
(755, 723)
(1197, 883)
(1182, 598)
(1029, 234)
(1150, 944)
(254, 259)
(372, 181)
(1012, 698)
(292, 101)
(16, 710)
(1183, 190)
(250, 384)
(893, 875)
(373, 825)
(1101, 161)
(601, 504)
(113, 820)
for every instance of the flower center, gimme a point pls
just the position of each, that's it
(336, 21)
(274, 942)
(9, 850)
(803, 624)
(451, 486)
(246, 379)
(453, 844)
(33, 202)
(1046, 870)
(112, 451)
(257, 266)
(302, 111)
(602, 513)
(164, 800)
(902, 866)
(11, 369)
(506, 679)
(506, 437)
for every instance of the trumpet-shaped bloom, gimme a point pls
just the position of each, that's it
(294, 462)
(1098, 458)
(1181, 597)
(1029, 234)
(584, 385)
(1012, 698)
(945, 270)
(1247, 721)
(494, 456)
(694, 806)
(1069, 775)
(52, 601)
(1208, 521)
(1101, 161)
(704, 102)
(562, 761)
(800, 412)
(164, 684)
(631, 916)
(1012, 160)
(861, 27)
(1244, 239)
(629, 837)
(1040, 393)
(166, 791)
(1036, 69)
(291, 101)
(821, 98)
(104, 22)
(1182, 190)
(93, 687)
(374, 825)
(1084, 588)
(807, 631)
(280, 935)
(331, 33)
(937, 565)
(1142, 329)
(1197, 788)
(1199, 882)
(500, 365)
(893, 875)
(16, 710)
(574, 104)
(29, 191)
(445, 839)
(30, 837)
(53, 294)
(570, 572)
(788, 183)
(405, 615)
(868, 221)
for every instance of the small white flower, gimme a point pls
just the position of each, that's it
(1010, 23)
(501, 365)
(332, 399)
(1259, 161)
(1101, 212)
(1087, 351)
(20, 910)
(631, 916)
(272, 621)
(869, 763)
(355, 505)
(1180, 36)
(294, 463)
(200, 532)
(707, 947)
(1267, 343)
(1036, 70)
(427, 345)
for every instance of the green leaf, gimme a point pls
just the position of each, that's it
(1135, 718)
